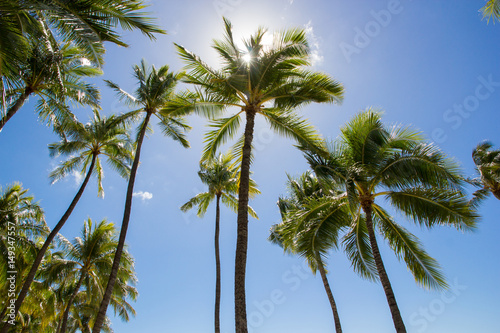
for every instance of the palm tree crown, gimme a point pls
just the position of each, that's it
(487, 161)
(260, 79)
(87, 143)
(53, 72)
(222, 179)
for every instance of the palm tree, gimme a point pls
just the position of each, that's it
(22, 223)
(487, 163)
(154, 96)
(86, 262)
(103, 136)
(221, 177)
(491, 10)
(87, 24)
(267, 80)
(373, 161)
(312, 218)
(54, 73)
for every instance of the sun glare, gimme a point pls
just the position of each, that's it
(247, 58)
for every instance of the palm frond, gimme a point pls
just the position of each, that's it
(430, 207)
(358, 250)
(424, 268)
(223, 130)
(491, 10)
(175, 128)
(292, 126)
(202, 200)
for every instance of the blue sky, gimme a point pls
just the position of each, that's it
(432, 65)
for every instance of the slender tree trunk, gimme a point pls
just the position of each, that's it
(14, 108)
(336, 318)
(384, 279)
(242, 229)
(101, 315)
(58, 326)
(70, 302)
(48, 241)
(217, 266)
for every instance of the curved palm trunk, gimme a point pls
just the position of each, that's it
(101, 315)
(48, 241)
(217, 266)
(384, 279)
(336, 318)
(14, 108)
(242, 230)
(70, 302)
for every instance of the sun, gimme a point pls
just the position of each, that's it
(247, 58)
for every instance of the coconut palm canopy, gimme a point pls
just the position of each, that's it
(432, 66)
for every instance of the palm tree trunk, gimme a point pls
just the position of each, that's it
(101, 315)
(384, 279)
(14, 108)
(336, 318)
(70, 302)
(48, 241)
(59, 324)
(242, 229)
(217, 266)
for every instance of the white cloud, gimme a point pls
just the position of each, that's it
(314, 43)
(143, 195)
(78, 177)
(85, 62)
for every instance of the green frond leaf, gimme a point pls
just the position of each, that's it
(424, 268)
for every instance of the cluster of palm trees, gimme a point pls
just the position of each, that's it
(68, 284)
(47, 48)
(50, 46)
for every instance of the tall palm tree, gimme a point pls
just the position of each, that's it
(271, 81)
(85, 263)
(54, 73)
(86, 23)
(373, 161)
(154, 96)
(491, 10)
(221, 177)
(103, 136)
(312, 218)
(487, 163)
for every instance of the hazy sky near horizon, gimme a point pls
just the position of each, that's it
(433, 65)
